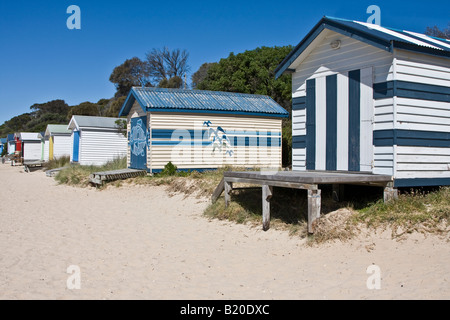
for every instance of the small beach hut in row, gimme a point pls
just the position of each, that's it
(11, 143)
(96, 140)
(371, 99)
(29, 144)
(57, 141)
(201, 130)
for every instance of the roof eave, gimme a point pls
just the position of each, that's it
(129, 101)
(329, 24)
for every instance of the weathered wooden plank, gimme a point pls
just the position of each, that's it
(311, 177)
(218, 191)
(267, 192)
(228, 186)
(273, 183)
(314, 207)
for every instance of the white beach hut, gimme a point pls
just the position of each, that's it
(57, 141)
(30, 145)
(96, 140)
(371, 99)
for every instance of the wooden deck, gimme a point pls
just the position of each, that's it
(308, 180)
(28, 164)
(98, 178)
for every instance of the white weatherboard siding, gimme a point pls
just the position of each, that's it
(383, 160)
(321, 125)
(423, 162)
(11, 147)
(100, 146)
(342, 122)
(352, 55)
(202, 157)
(32, 150)
(71, 147)
(421, 115)
(366, 113)
(46, 149)
(421, 68)
(61, 146)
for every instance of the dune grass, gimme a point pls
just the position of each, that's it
(419, 210)
(77, 175)
(424, 211)
(57, 163)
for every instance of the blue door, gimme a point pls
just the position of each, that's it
(138, 143)
(76, 146)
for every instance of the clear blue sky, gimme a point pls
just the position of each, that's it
(41, 59)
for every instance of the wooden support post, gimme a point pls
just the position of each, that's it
(314, 206)
(228, 188)
(218, 191)
(390, 193)
(338, 192)
(267, 192)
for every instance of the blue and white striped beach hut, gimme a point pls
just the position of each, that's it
(371, 99)
(201, 130)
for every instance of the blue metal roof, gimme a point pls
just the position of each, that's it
(381, 37)
(3, 140)
(199, 101)
(10, 137)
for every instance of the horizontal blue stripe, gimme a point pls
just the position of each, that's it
(167, 133)
(299, 142)
(187, 170)
(421, 182)
(414, 138)
(412, 90)
(299, 103)
(212, 112)
(239, 142)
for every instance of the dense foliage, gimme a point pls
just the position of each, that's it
(252, 72)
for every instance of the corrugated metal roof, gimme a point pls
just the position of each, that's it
(154, 99)
(28, 136)
(391, 34)
(57, 128)
(92, 122)
(381, 37)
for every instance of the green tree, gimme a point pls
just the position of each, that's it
(174, 82)
(116, 105)
(54, 106)
(133, 72)
(251, 72)
(85, 109)
(201, 74)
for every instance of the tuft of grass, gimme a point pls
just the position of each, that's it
(414, 211)
(57, 163)
(77, 175)
(417, 211)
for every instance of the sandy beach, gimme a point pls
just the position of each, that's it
(138, 242)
